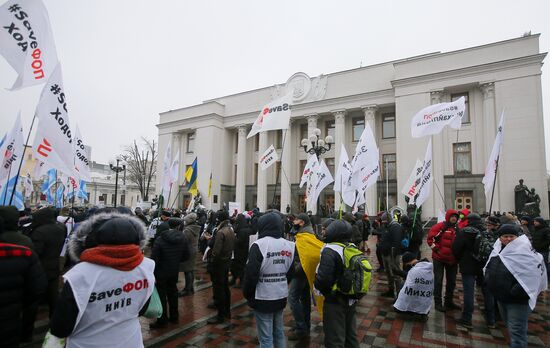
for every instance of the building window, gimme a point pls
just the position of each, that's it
(190, 142)
(302, 203)
(330, 165)
(462, 158)
(301, 167)
(358, 125)
(257, 142)
(388, 126)
(255, 173)
(123, 200)
(390, 167)
(329, 128)
(303, 133)
(466, 95)
(278, 139)
(464, 200)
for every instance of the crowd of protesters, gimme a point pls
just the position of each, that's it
(110, 259)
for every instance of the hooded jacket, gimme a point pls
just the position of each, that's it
(191, 231)
(48, 237)
(391, 238)
(331, 265)
(541, 236)
(11, 233)
(269, 225)
(224, 243)
(169, 250)
(464, 221)
(463, 246)
(441, 237)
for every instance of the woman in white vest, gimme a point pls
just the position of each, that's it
(109, 288)
(266, 277)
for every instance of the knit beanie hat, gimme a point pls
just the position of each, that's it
(509, 229)
(408, 257)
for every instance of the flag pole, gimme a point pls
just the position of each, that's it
(387, 186)
(176, 199)
(22, 159)
(494, 184)
(7, 184)
(455, 168)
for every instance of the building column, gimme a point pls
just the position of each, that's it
(240, 182)
(339, 139)
(371, 196)
(286, 164)
(438, 189)
(489, 125)
(262, 174)
(176, 145)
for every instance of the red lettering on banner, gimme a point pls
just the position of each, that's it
(45, 148)
(128, 287)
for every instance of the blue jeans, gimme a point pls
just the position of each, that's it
(270, 329)
(515, 315)
(299, 298)
(468, 283)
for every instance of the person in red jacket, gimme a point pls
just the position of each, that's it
(463, 218)
(440, 240)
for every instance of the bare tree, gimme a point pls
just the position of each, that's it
(141, 164)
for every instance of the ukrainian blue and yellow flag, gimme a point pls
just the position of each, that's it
(191, 178)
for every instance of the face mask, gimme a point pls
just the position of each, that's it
(296, 226)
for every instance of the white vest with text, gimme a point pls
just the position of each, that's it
(108, 303)
(278, 255)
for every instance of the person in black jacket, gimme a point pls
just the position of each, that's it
(169, 250)
(339, 322)
(390, 248)
(11, 233)
(22, 283)
(48, 237)
(266, 275)
(470, 268)
(242, 232)
(541, 239)
(413, 233)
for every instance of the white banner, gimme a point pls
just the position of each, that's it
(409, 189)
(53, 143)
(275, 115)
(306, 174)
(268, 158)
(81, 157)
(166, 174)
(12, 151)
(432, 119)
(491, 169)
(324, 178)
(416, 294)
(424, 186)
(26, 41)
(234, 206)
(365, 165)
(27, 184)
(343, 171)
(312, 179)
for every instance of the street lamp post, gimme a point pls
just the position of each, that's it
(316, 146)
(117, 169)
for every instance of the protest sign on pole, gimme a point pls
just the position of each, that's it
(312, 161)
(234, 206)
(26, 41)
(275, 115)
(166, 164)
(432, 119)
(268, 158)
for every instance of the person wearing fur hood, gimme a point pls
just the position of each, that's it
(109, 287)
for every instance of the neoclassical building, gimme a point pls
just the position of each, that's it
(492, 77)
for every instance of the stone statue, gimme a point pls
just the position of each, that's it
(521, 195)
(532, 207)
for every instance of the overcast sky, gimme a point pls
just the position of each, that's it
(124, 62)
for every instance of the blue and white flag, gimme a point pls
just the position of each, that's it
(18, 201)
(49, 181)
(82, 193)
(59, 196)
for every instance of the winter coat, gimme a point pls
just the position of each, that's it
(502, 284)
(541, 238)
(22, 283)
(269, 228)
(10, 233)
(17, 238)
(463, 249)
(331, 266)
(224, 243)
(441, 237)
(169, 250)
(48, 237)
(415, 234)
(391, 239)
(242, 233)
(191, 233)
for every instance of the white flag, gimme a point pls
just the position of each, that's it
(166, 174)
(81, 157)
(343, 171)
(312, 161)
(432, 119)
(365, 163)
(409, 189)
(275, 115)
(312, 179)
(491, 169)
(26, 41)
(324, 178)
(175, 168)
(53, 143)
(12, 151)
(27, 184)
(268, 158)
(423, 187)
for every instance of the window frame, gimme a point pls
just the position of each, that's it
(190, 138)
(354, 121)
(455, 152)
(384, 117)
(467, 102)
(384, 166)
(328, 123)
